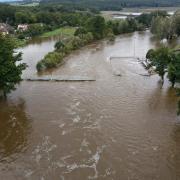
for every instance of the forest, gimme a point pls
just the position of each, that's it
(116, 4)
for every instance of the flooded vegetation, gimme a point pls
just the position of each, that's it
(123, 125)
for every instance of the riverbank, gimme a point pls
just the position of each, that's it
(63, 32)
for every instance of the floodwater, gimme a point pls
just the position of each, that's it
(121, 127)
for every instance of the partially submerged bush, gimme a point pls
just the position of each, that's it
(111, 37)
(51, 60)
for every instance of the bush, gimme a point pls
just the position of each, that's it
(111, 37)
(35, 30)
(51, 60)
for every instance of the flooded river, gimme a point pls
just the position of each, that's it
(115, 128)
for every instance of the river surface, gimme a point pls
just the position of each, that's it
(115, 128)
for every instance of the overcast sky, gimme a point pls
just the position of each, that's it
(8, 0)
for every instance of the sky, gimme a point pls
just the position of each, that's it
(8, 0)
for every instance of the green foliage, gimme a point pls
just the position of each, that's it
(124, 26)
(60, 45)
(178, 94)
(24, 17)
(51, 60)
(166, 27)
(96, 25)
(146, 19)
(80, 31)
(35, 30)
(160, 27)
(166, 60)
(10, 72)
(90, 4)
(111, 36)
(115, 5)
(53, 15)
(160, 58)
(176, 22)
(93, 28)
(172, 74)
(7, 13)
(174, 68)
(150, 54)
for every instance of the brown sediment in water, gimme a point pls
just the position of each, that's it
(113, 128)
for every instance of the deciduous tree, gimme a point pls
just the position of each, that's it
(10, 67)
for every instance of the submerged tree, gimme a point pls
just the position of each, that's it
(166, 60)
(178, 94)
(160, 58)
(10, 70)
(174, 67)
(60, 45)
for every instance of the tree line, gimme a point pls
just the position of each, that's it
(161, 24)
(43, 18)
(50, 14)
(115, 4)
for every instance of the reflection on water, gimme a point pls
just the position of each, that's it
(35, 51)
(176, 139)
(15, 127)
(118, 127)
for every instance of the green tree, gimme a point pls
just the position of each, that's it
(60, 45)
(22, 17)
(35, 30)
(160, 58)
(157, 26)
(10, 71)
(178, 94)
(96, 25)
(176, 22)
(80, 32)
(172, 74)
(174, 69)
(150, 54)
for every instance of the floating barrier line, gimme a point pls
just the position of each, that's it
(60, 79)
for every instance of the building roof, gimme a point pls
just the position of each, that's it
(5, 27)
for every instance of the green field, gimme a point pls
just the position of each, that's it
(64, 32)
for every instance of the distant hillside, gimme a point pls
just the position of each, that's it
(111, 4)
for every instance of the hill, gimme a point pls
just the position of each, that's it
(116, 4)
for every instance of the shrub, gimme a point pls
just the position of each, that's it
(51, 60)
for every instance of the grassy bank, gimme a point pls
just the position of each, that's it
(64, 32)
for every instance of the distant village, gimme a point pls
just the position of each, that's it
(6, 29)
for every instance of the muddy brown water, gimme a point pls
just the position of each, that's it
(116, 128)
